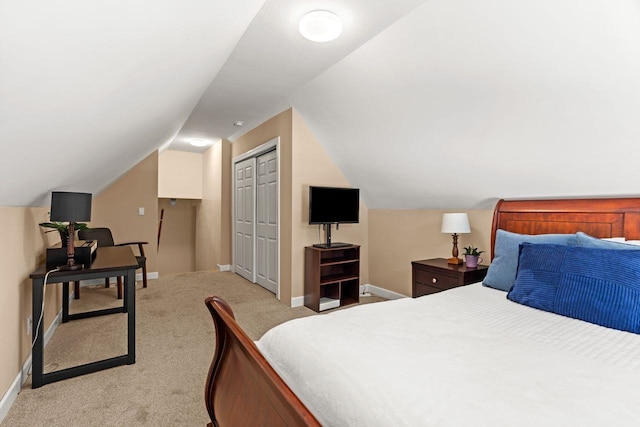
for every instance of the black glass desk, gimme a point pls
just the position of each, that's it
(109, 262)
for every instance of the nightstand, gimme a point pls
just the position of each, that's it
(435, 275)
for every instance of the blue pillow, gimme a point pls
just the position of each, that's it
(600, 286)
(588, 241)
(502, 271)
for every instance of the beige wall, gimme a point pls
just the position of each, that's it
(397, 237)
(226, 181)
(180, 175)
(177, 247)
(312, 166)
(22, 250)
(208, 213)
(213, 223)
(117, 208)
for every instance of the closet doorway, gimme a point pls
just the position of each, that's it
(255, 216)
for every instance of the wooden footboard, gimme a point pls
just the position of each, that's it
(242, 389)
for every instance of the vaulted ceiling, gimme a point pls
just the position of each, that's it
(422, 104)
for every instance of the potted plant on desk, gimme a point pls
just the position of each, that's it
(63, 229)
(472, 256)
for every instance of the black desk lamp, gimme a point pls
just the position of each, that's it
(72, 208)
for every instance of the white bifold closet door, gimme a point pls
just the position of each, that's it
(267, 221)
(244, 198)
(256, 220)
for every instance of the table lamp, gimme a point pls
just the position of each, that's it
(70, 207)
(455, 223)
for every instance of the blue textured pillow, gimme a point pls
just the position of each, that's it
(588, 241)
(600, 286)
(502, 271)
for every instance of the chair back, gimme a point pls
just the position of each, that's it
(102, 235)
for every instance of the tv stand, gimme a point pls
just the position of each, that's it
(332, 276)
(332, 245)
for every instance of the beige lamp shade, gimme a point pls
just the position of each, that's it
(455, 223)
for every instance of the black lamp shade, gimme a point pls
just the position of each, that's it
(70, 207)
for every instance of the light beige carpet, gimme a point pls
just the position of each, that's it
(174, 347)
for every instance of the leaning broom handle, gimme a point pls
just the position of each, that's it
(160, 226)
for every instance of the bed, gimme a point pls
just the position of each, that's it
(467, 356)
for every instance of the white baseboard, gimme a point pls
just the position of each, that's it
(224, 267)
(150, 275)
(92, 282)
(364, 289)
(381, 292)
(10, 397)
(13, 391)
(54, 325)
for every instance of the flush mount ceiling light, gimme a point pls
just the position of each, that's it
(238, 123)
(199, 142)
(320, 26)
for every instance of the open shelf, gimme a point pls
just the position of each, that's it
(338, 262)
(331, 274)
(339, 255)
(325, 280)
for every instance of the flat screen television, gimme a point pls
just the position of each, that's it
(332, 205)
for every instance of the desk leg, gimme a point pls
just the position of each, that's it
(65, 302)
(130, 290)
(125, 296)
(37, 334)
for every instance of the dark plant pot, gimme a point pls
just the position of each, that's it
(64, 238)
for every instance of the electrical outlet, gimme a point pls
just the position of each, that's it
(29, 325)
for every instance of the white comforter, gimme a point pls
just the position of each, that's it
(465, 357)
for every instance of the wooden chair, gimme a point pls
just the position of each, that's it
(104, 238)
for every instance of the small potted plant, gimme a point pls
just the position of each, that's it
(472, 256)
(63, 229)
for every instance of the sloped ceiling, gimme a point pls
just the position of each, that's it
(88, 89)
(422, 104)
(463, 102)
(272, 60)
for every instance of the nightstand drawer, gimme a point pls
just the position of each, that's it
(420, 289)
(435, 275)
(439, 281)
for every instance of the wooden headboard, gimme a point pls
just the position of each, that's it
(619, 217)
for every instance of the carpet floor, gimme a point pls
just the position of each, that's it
(174, 347)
